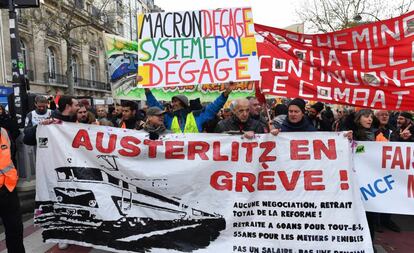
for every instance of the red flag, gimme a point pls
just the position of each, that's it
(259, 95)
(366, 66)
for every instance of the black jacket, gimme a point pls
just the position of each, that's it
(234, 124)
(302, 126)
(10, 125)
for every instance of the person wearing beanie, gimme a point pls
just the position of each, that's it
(405, 128)
(296, 120)
(315, 117)
(182, 119)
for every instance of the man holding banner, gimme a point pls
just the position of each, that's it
(182, 119)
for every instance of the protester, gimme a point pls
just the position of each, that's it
(227, 113)
(316, 119)
(9, 201)
(382, 123)
(129, 119)
(364, 131)
(182, 119)
(117, 117)
(84, 116)
(154, 124)
(386, 129)
(328, 115)
(10, 124)
(339, 123)
(280, 112)
(241, 121)
(405, 128)
(256, 113)
(296, 120)
(67, 110)
(101, 112)
(40, 113)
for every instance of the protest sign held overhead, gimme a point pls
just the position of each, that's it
(122, 59)
(367, 66)
(110, 188)
(197, 47)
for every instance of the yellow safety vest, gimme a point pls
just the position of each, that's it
(8, 173)
(190, 125)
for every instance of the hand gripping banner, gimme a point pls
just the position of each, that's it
(115, 189)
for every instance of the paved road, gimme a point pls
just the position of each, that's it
(386, 242)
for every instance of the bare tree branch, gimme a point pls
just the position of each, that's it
(332, 15)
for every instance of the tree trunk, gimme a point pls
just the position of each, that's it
(69, 76)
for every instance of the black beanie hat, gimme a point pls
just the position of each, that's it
(406, 115)
(299, 103)
(318, 106)
(281, 109)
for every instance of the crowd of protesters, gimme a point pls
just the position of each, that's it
(245, 116)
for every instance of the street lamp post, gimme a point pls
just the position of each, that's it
(19, 82)
(18, 75)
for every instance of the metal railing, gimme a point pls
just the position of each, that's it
(77, 82)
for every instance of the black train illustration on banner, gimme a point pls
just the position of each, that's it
(110, 210)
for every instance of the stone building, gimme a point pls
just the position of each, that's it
(45, 52)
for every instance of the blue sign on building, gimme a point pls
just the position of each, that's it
(4, 92)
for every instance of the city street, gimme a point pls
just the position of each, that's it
(386, 242)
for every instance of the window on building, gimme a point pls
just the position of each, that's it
(88, 7)
(120, 28)
(119, 8)
(92, 71)
(25, 52)
(51, 62)
(75, 68)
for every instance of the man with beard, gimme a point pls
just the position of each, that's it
(405, 128)
(40, 113)
(315, 117)
(117, 117)
(129, 119)
(85, 116)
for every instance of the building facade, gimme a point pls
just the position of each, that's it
(44, 48)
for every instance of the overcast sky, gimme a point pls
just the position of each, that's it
(276, 13)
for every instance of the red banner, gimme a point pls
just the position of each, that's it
(366, 66)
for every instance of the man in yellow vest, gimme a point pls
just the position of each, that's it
(182, 119)
(9, 201)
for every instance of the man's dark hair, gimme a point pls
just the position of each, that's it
(63, 101)
(131, 104)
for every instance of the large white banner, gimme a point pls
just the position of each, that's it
(386, 177)
(115, 189)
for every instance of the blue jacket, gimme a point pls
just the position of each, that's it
(201, 116)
